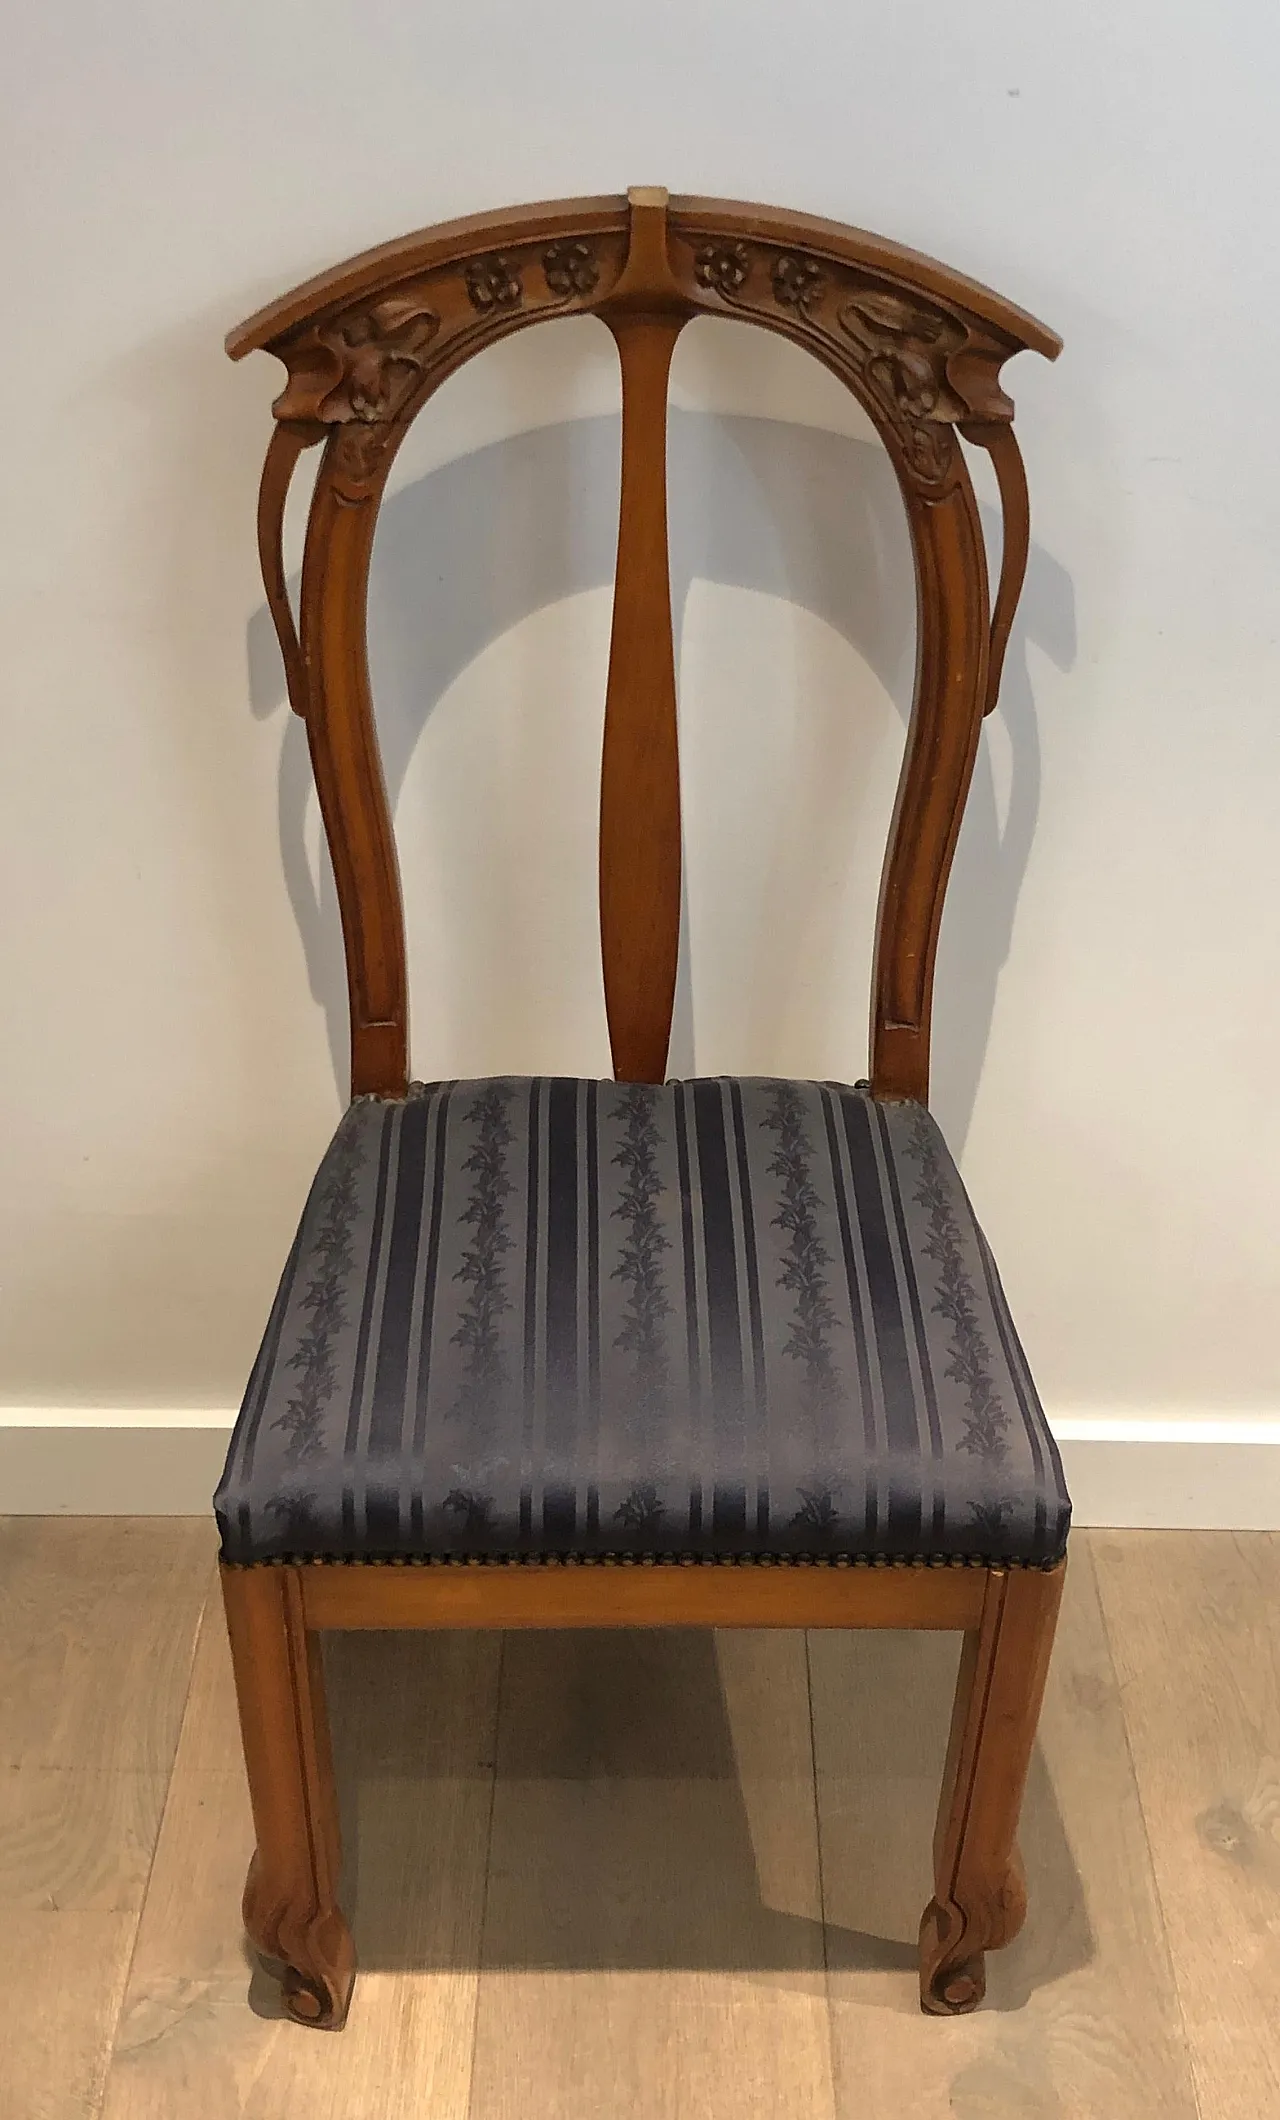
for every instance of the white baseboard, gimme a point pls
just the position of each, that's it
(110, 1460)
(1210, 1473)
(1214, 1473)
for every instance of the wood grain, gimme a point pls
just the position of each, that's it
(347, 765)
(283, 450)
(979, 1898)
(643, 1597)
(640, 769)
(76, 1839)
(418, 1776)
(291, 1904)
(937, 767)
(1001, 444)
(95, 1659)
(653, 1939)
(100, 1624)
(63, 1982)
(100, 1620)
(1192, 1618)
(1083, 2021)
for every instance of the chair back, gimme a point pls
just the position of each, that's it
(919, 346)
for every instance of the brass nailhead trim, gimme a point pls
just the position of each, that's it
(645, 1560)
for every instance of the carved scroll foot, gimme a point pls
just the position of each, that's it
(312, 1953)
(954, 1941)
(290, 1903)
(980, 1893)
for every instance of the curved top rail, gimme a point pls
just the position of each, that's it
(370, 271)
(387, 264)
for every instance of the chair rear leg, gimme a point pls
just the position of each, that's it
(290, 1897)
(980, 1898)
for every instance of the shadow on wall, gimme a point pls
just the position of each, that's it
(803, 514)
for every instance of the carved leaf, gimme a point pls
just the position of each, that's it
(889, 312)
(361, 366)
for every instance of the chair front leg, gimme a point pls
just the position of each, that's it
(290, 1897)
(980, 1898)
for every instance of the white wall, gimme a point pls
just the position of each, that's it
(1106, 1034)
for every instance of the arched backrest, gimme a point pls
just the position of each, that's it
(920, 347)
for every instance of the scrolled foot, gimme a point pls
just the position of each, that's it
(955, 1939)
(315, 2000)
(953, 1975)
(313, 1953)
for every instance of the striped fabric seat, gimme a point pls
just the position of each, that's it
(716, 1319)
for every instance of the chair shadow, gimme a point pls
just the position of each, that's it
(469, 550)
(602, 1811)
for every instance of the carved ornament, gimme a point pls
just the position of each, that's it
(493, 283)
(360, 367)
(570, 269)
(923, 367)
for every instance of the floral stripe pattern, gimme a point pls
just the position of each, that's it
(804, 1274)
(986, 1427)
(803, 1270)
(639, 1265)
(639, 1268)
(324, 1302)
(968, 1355)
(481, 1267)
(700, 1321)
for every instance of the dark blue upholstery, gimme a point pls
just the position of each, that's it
(721, 1318)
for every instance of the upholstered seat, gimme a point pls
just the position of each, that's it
(718, 1318)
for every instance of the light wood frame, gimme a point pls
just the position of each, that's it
(365, 346)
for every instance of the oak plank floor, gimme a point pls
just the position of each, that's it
(661, 1876)
(1082, 2017)
(64, 1977)
(201, 2031)
(647, 1784)
(98, 1624)
(1207, 1753)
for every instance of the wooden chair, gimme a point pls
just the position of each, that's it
(581, 1354)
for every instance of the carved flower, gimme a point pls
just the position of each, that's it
(380, 347)
(723, 266)
(909, 376)
(492, 283)
(570, 269)
(367, 363)
(798, 283)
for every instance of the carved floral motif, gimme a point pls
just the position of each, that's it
(361, 367)
(899, 348)
(798, 283)
(722, 266)
(493, 283)
(358, 450)
(383, 355)
(904, 351)
(570, 269)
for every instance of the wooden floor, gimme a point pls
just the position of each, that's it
(639, 1876)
